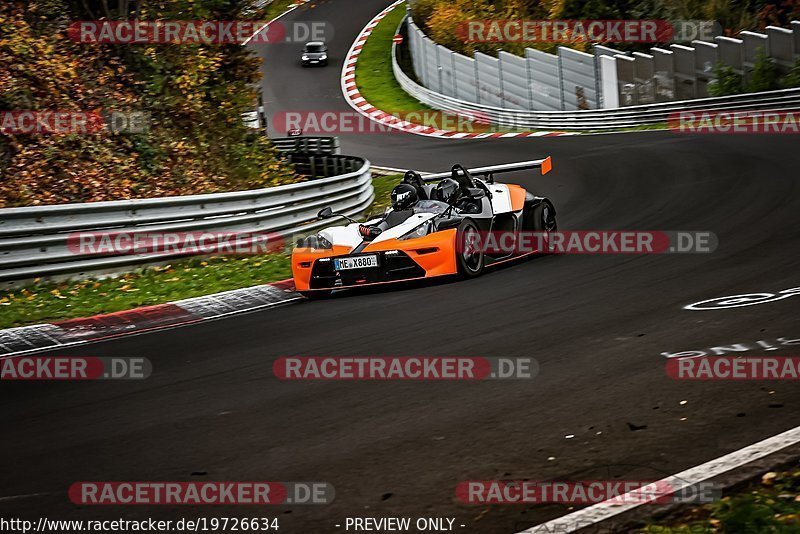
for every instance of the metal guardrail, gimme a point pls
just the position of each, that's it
(593, 119)
(307, 145)
(35, 241)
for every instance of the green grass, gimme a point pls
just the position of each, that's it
(769, 505)
(152, 285)
(374, 76)
(377, 84)
(277, 7)
(383, 187)
(49, 301)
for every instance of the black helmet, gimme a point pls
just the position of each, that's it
(403, 196)
(447, 190)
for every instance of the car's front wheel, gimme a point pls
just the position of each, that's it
(469, 252)
(543, 219)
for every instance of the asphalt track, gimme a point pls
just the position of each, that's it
(596, 324)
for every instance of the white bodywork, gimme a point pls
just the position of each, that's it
(501, 198)
(402, 229)
(348, 235)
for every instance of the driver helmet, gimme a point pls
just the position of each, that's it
(447, 190)
(404, 196)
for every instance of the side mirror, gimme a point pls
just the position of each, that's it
(325, 213)
(476, 192)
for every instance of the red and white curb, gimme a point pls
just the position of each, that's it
(35, 338)
(360, 104)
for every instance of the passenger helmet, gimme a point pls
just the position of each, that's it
(447, 190)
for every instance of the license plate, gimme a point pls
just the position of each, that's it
(355, 262)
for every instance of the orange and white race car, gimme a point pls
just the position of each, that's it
(433, 228)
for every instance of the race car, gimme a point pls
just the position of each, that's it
(434, 227)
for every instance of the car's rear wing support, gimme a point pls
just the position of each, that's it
(545, 164)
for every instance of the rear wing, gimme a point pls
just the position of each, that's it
(545, 164)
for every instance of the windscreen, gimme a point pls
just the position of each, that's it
(430, 206)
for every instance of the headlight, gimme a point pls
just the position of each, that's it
(314, 241)
(305, 57)
(420, 231)
(324, 56)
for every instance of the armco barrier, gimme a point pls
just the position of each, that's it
(593, 119)
(34, 240)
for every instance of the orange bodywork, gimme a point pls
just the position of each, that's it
(517, 194)
(435, 262)
(307, 256)
(435, 253)
(547, 165)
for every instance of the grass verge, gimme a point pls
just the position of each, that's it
(194, 277)
(374, 77)
(376, 82)
(769, 505)
(276, 7)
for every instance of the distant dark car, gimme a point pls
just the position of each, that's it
(315, 53)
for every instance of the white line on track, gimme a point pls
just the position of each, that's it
(27, 496)
(608, 509)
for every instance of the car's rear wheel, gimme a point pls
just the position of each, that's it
(469, 252)
(543, 219)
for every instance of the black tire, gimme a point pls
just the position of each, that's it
(469, 257)
(543, 219)
(317, 294)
